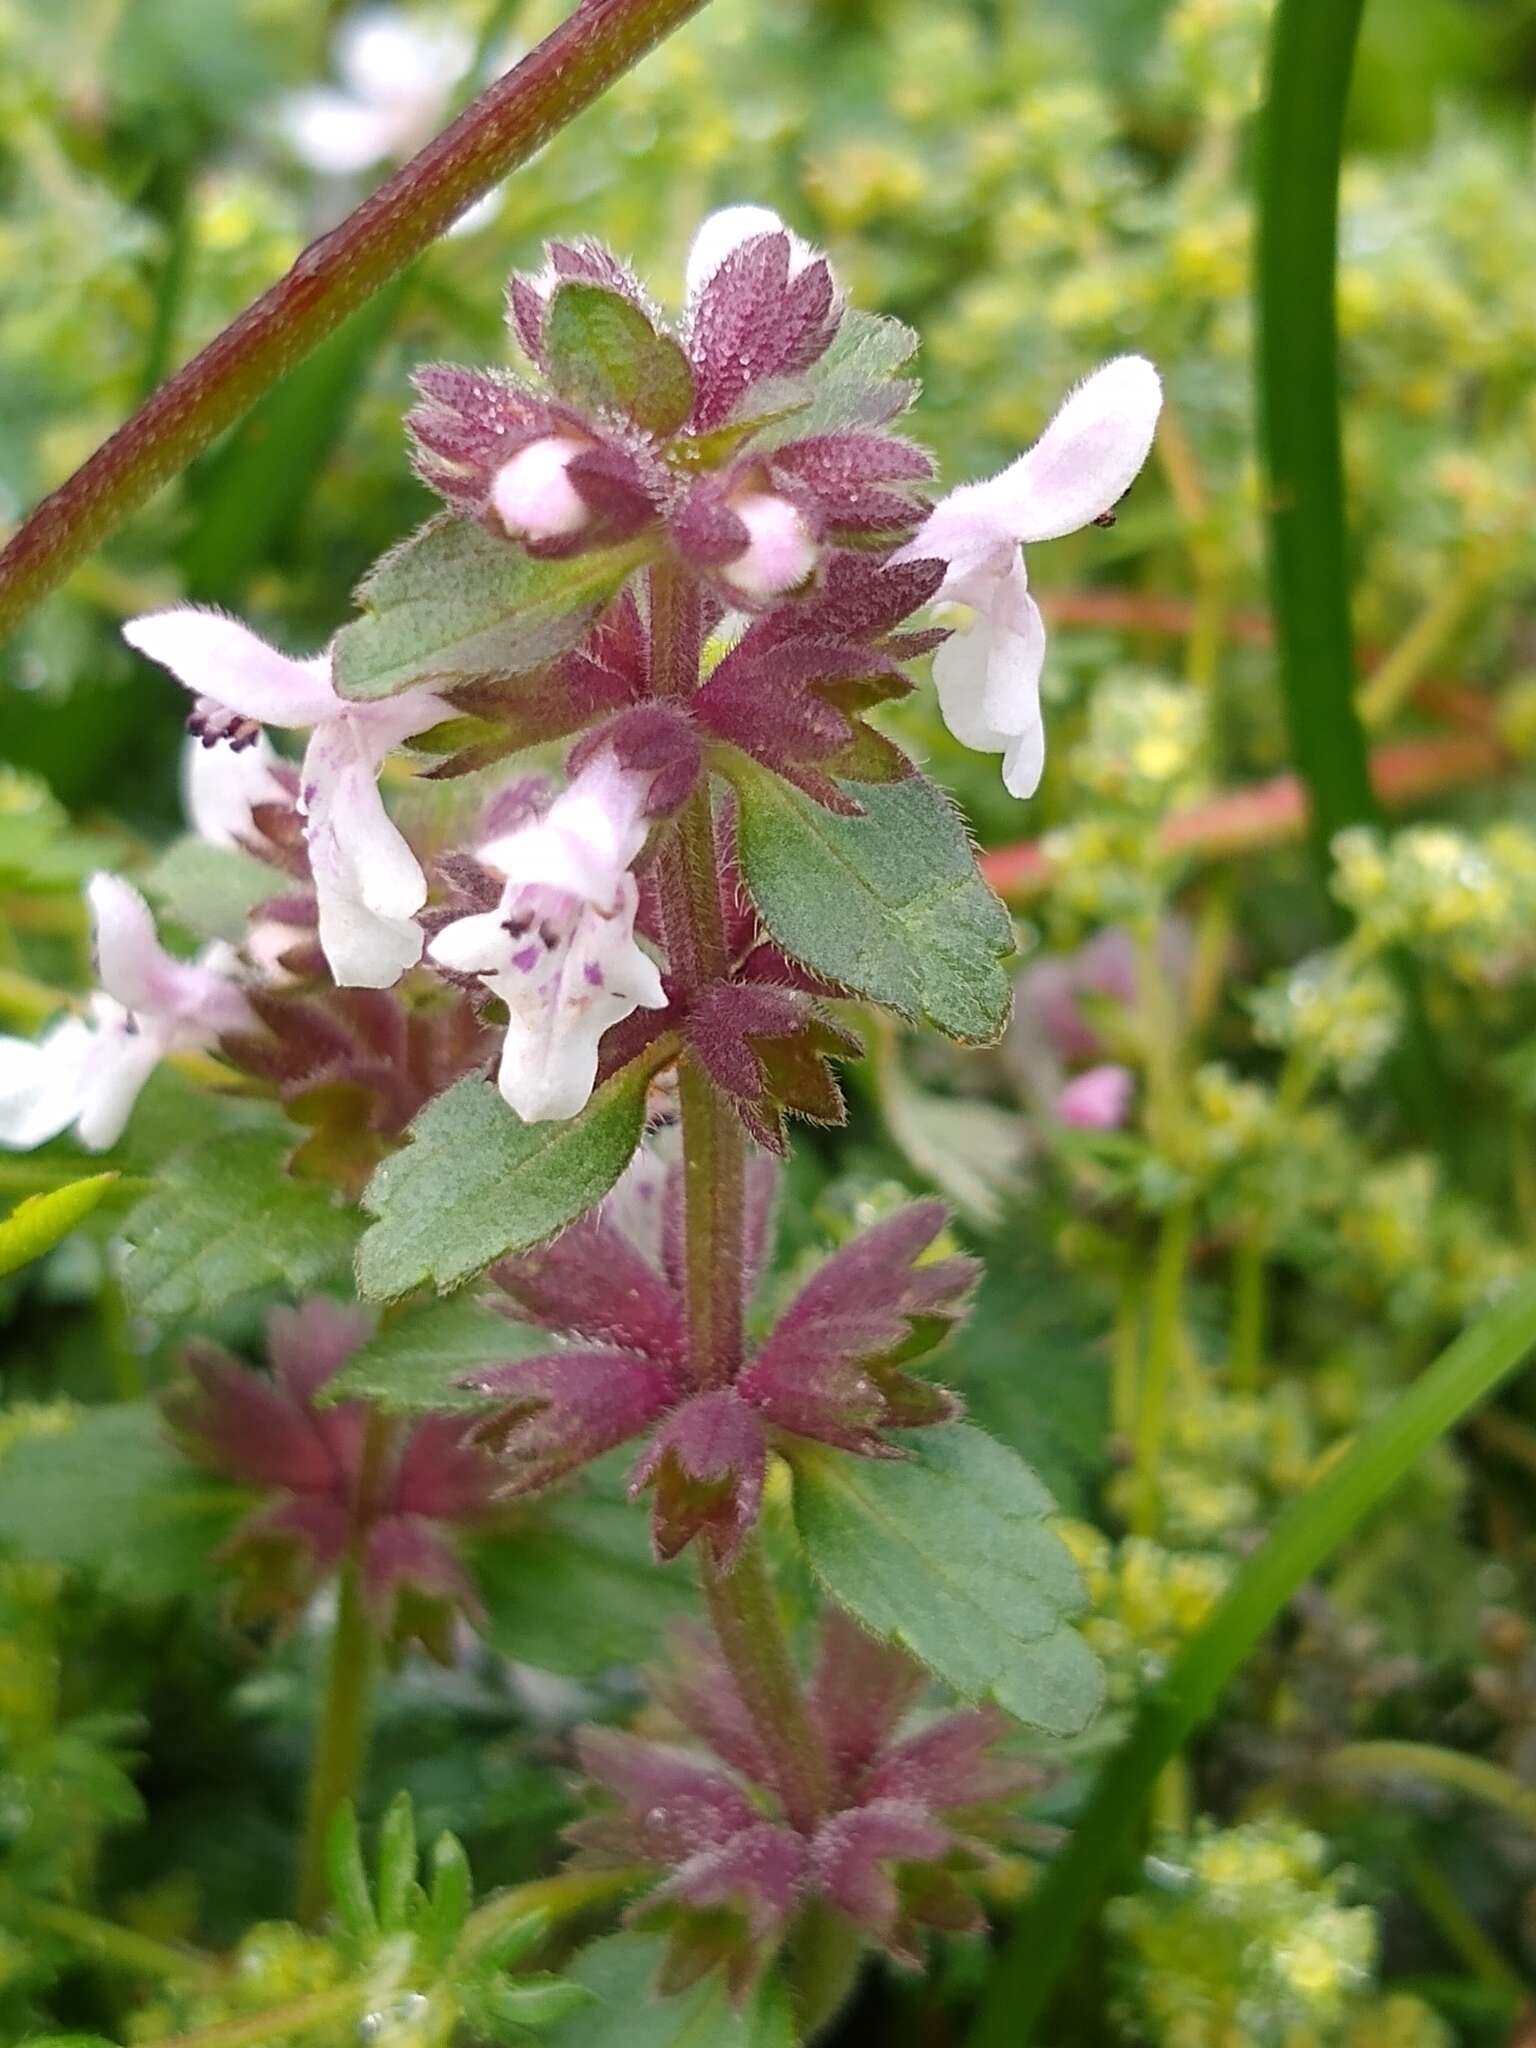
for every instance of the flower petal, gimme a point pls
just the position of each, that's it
(220, 785)
(726, 230)
(42, 1084)
(122, 1058)
(188, 1003)
(1087, 458)
(472, 945)
(218, 657)
(368, 883)
(988, 681)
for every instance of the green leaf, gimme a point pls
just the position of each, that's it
(952, 1555)
(625, 2012)
(476, 1182)
(351, 1898)
(36, 1225)
(577, 1591)
(1032, 1363)
(890, 905)
(396, 1863)
(227, 1220)
(600, 350)
(212, 890)
(455, 601)
(410, 1367)
(855, 384)
(111, 1494)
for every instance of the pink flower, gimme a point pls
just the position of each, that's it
(988, 676)
(89, 1073)
(268, 1433)
(368, 883)
(908, 1812)
(1098, 1099)
(559, 949)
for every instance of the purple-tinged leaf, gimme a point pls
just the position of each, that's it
(566, 1408)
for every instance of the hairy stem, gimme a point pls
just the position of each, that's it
(746, 1620)
(341, 1742)
(599, 41)
(741, 1602)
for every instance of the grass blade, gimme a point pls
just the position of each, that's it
(1044, 1943)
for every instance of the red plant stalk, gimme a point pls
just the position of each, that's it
(741, 1602)
(1269, 813)
(599, 41)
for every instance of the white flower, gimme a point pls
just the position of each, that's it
(781, 552)
(725, 231)
(559, 949)
(534, 498)
(988, 676)
(89, 1073)
(221, 785)
(368, 883)
(397, 77)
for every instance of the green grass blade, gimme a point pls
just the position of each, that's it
(1046, 1940)
(1311, 57)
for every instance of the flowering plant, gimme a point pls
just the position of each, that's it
(595, 1271)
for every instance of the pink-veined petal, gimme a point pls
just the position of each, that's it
(218, 657)
(1087, 458)
(549, 1057)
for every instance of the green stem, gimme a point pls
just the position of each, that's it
(1250, 1311)
(341, 1742)
(1473, 1776)
(560, 1897)
(1305, 1535)
(744, 1611)
(123, 1947)
(1125, 1355)
(597, 43)
(277, 2023)
(342, 1739)
(1457, 1928)
(821, 1966)
(1165, 1298)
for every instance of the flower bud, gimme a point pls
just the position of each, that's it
(533, 495)
(781, 552)
(1097, 1100)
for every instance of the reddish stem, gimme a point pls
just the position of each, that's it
(497, 132)
(1269, 813)
(741, 1602)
